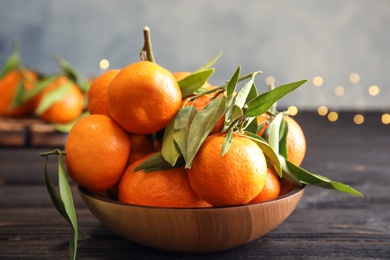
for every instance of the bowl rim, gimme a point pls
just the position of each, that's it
(96, 196)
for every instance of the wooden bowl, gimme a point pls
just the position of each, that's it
(191, 230)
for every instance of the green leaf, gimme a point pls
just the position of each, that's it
(54, 196)
(267, 150)
(231, 86)
(63, 201)
(227, 142)
(53, 96)
(156, 162)
(208, 64)
(252, 93)
(21, 95)
(263, 102)
(201, 126)
(251, 125)
(67, 198)
(318, 180)
(18, 97)
(274, 132)
(194, 81)
(170, 150)
(181, 127)
(71, 73)
(39, 87)
(12, 63)
(242, 95)
(283, 139)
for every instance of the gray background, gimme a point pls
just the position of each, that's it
(289, 40)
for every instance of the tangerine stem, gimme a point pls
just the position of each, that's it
(147, 52)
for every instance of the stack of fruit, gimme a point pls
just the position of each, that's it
(157, 138)
(58, 99)
(163, 139)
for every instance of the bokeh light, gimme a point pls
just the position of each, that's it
(333, 116)
(292, 110)
(386, 118)
(373, 90)
(354, 77)
(318, 81)
(339, 90)
(322, 110)
(104, 64)
(358, 119)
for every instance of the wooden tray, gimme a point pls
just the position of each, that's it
(29, 132)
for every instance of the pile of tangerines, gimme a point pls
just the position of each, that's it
(55, 99)
(158, 138)
(171, 139)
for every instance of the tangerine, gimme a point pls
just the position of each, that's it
(143, 97)
(296, 141)
(98, 93)
(141, 145)
(9, 85)
(233, 179)
(163, 188)
(286, 186)
(97, 150)
(66, 108)
(271, 188)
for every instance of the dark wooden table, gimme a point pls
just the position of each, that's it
(326, 224)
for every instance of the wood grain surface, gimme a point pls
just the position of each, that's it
(325, 225)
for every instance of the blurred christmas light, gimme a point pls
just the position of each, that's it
(292, 110)
(318, 81)
(386, 118)
(339, 91)
(322, 110)
(333, 116)
(354, 78)
(269, 80)
(373, 90)
(358, 119)
(104, 64)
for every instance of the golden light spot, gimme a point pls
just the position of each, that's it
(339, 91)
(386, 118)
(104, 64)
(317, 81)
(354, 78)
(333, 116)
(358, 119)
(373, 90)
(292, 110)
(269, 80)
(322, 110)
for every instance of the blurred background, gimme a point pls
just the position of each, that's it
(341, 47)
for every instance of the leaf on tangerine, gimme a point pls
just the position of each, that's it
(170, 150)
(181, 127)
(194, 81)
(263, 102)
(53, 96)
(306, 177)
(227, 142)
(201, 126)
(156, 162)
(267, 150)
